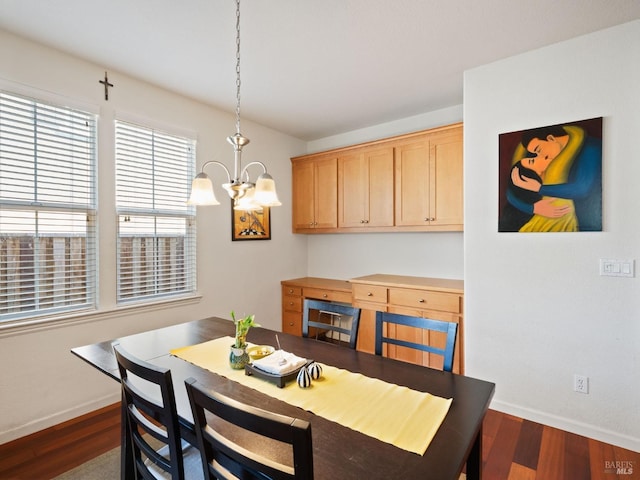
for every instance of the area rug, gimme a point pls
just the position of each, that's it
(107, 467)
(104, 467)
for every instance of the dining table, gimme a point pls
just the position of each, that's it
(339, 452)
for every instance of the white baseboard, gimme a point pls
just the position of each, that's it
(579, 428)
(59, 417)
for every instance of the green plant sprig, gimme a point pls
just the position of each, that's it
(242, 328)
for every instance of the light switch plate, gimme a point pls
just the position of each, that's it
(617, 268)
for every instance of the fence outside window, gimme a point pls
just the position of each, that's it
(47, 208)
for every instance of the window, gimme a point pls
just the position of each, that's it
(156, 229)
(47, 208)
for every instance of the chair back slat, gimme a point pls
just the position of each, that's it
(449, 328)
(338, 309)
(149, 410)
(224, 457)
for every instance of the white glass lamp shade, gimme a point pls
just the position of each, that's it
(202, 191)
(247, 202)
(266, 191)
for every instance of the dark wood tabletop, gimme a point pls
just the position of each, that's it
(339, 452)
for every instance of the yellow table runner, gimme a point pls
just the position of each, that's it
(393, 414)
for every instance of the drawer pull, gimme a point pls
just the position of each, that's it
(421, 300)
(291, 324)
(290, 303)
(324, 295)
(369, 294)
(291, 290)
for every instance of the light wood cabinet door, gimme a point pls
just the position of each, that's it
(429, 173)
(353, 194)
(446, 196)
(314, 191)
(302, 178)
(326, 193)
(412, 178)
(365, 188)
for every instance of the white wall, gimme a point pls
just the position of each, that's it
(537, 312)
(41, 382)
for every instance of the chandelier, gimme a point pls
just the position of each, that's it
(246, 195)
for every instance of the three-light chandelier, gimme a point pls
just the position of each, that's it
(246, 195)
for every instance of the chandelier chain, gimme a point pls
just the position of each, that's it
(237, 66)
(246, 195)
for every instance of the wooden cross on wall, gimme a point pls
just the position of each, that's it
(106, 84)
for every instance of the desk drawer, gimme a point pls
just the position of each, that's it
(329, 295)
(424, 300)
(292, 323)
(287, 290)
(369, 293)
(292, 304)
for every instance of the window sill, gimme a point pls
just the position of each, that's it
(24, 326)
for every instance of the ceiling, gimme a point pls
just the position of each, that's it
(310, 68)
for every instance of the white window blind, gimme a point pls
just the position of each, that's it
(156, 229)
(47, 208)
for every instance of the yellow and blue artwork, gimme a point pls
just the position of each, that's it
(550, 178)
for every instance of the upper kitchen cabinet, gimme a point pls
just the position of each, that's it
(428, 176)
(315, 193)
(365, 188)
(409, 183)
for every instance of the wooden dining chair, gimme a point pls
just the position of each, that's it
(238, 441)
(150, 422)
(334, 313)
(448, 328)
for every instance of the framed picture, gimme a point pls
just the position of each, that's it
(550, 178)
(252, 225)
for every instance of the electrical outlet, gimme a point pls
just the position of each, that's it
(581, 383)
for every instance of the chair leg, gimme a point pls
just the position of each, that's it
(127, 466)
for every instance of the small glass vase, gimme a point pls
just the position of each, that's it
(238, 357)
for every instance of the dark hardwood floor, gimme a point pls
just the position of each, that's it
(48, 453)
(517, 449)
(514, 449)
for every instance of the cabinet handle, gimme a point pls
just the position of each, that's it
(421, 300)
(369, 294)
(290, 303)
(291, 290)
(291, 324)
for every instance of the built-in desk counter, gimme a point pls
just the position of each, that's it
(437, 298)
(296, 290)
